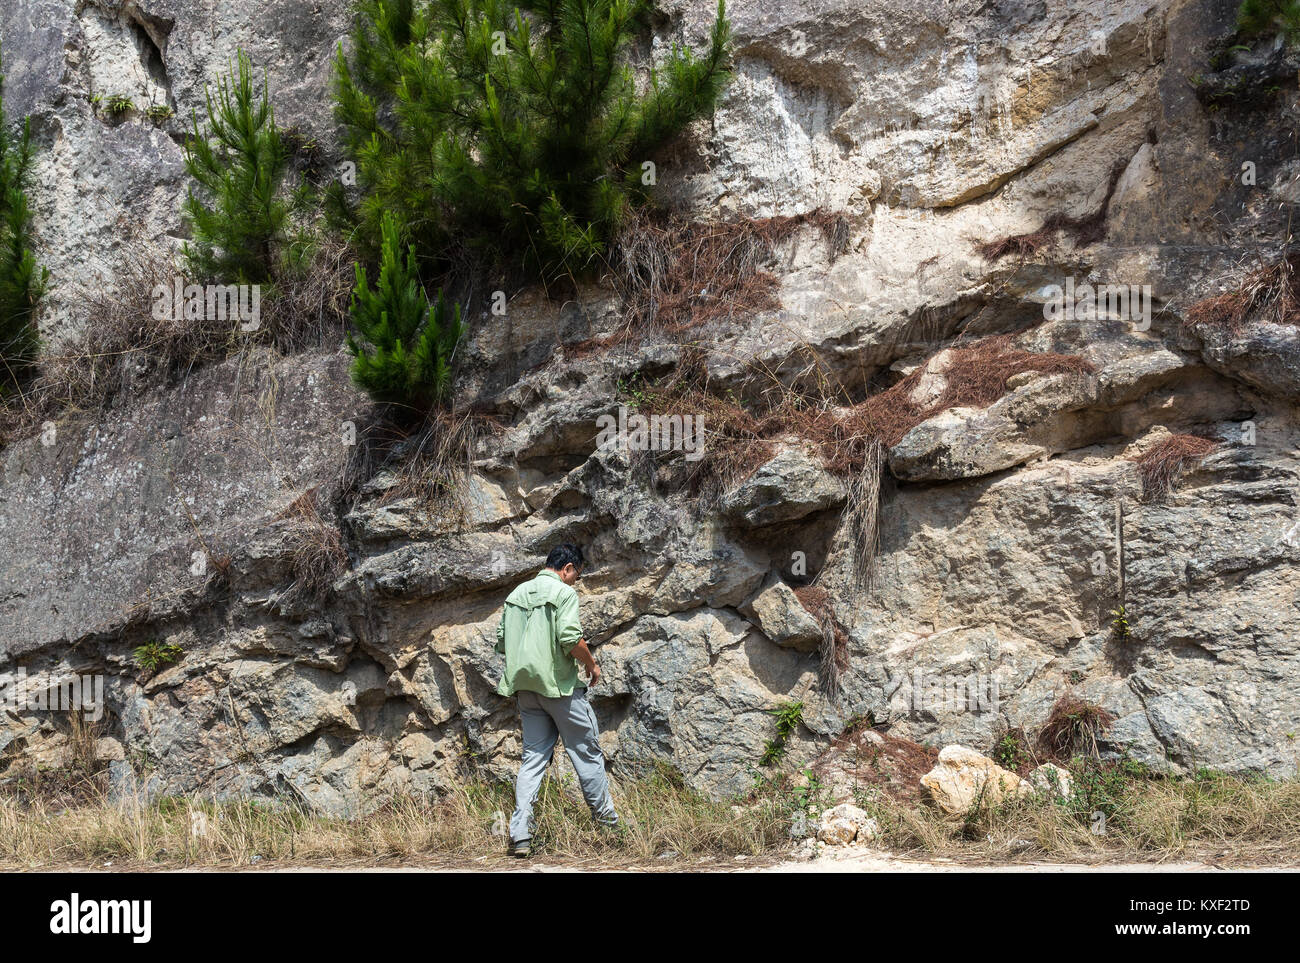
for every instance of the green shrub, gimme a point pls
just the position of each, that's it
(407, 358)
(22, 283)
(120, 104)
(1257, 17)
(243, 218)
(510, 133)
(789, 716)
(153, 655)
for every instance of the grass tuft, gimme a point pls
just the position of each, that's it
(1269, 294)
(1162, 463)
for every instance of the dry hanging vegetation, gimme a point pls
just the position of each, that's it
(850, 437)
(1162, 463)
(975, 377)
(834, 652)
(430, 463)
(1085, 230)
(674, 274)
(317, 553)
(125, 350)
(1270, 294)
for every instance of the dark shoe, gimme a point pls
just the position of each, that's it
(521, 849)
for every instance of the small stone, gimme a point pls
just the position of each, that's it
(845, 823)
(1052, 779)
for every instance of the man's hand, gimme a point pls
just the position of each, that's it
(584, 656)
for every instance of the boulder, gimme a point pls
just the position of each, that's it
(963, 778)
(791, 486)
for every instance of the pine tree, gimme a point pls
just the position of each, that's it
(513, 132)
(243, 220)
(407, 358)
(22, 283)
(1255, 17)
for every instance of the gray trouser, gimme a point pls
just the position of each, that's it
(543, 721)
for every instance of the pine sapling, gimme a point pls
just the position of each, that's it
(22, 283)
(511, 134)
(242, 218)
(403, 356)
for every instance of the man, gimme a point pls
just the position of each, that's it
(542, 641)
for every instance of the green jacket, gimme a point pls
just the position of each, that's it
(538, 630)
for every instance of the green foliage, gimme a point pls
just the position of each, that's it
(1267, 17)
(789, 715)
(1119, 624)
(119, 104)
(159, 113)
(810, 795)
(406, 359)
(242, 218)
(1011, 752)
(22, 283)
(154, 654)
(859, 720)
(1102, 787)
(511, 133)
(633, 391)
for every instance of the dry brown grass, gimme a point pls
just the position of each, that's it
(124, 351)
(834, 652)
(1269, 294)
(659, 814)
(1085, 230)
(975, 377)
(1162, 463)
(887, 765)
(1146, 819)
(430, 461)
(851, 438)
(318, 555)
(674, 274)
(1073, 727)
(1021, 245)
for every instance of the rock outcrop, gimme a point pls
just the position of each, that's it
(931, 128)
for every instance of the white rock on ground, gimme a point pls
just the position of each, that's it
(1052, 779)
(845, 824)
(963, 777)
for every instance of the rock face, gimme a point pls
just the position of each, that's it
(931, 127)
(964, 779)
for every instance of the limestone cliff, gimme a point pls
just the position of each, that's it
(931, 128)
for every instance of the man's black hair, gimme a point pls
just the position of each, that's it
(563, 555)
